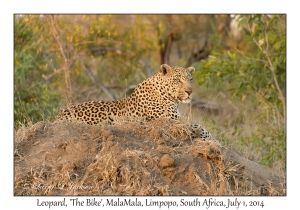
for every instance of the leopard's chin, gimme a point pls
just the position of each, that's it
(186, 101)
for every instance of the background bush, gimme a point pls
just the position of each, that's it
(240, 65)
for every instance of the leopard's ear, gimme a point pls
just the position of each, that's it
(166, 69)
(191, 69)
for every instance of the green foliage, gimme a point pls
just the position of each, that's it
(33, 100)
(256, 77)
(113, 51)
(118, 49)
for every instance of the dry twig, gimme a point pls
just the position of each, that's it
(51, 21)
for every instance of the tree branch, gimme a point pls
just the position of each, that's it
(95, 80)
(50, 19)
(271, 67)
(147, 65)
(198, 55)
(165, 48)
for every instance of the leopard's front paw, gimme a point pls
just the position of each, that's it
(199, 131)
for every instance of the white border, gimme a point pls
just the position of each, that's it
(8, 201)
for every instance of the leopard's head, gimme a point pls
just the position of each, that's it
(176, 82)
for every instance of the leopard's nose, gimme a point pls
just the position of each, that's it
(189, 92)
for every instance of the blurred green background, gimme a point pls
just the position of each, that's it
(239, 83)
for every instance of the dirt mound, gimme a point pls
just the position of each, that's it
(153, 158)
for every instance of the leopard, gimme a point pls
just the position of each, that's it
(156, 97)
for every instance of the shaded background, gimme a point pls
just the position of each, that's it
(239, 83)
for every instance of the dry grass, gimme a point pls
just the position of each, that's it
(133, 158)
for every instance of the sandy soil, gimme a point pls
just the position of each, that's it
(132, 158)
